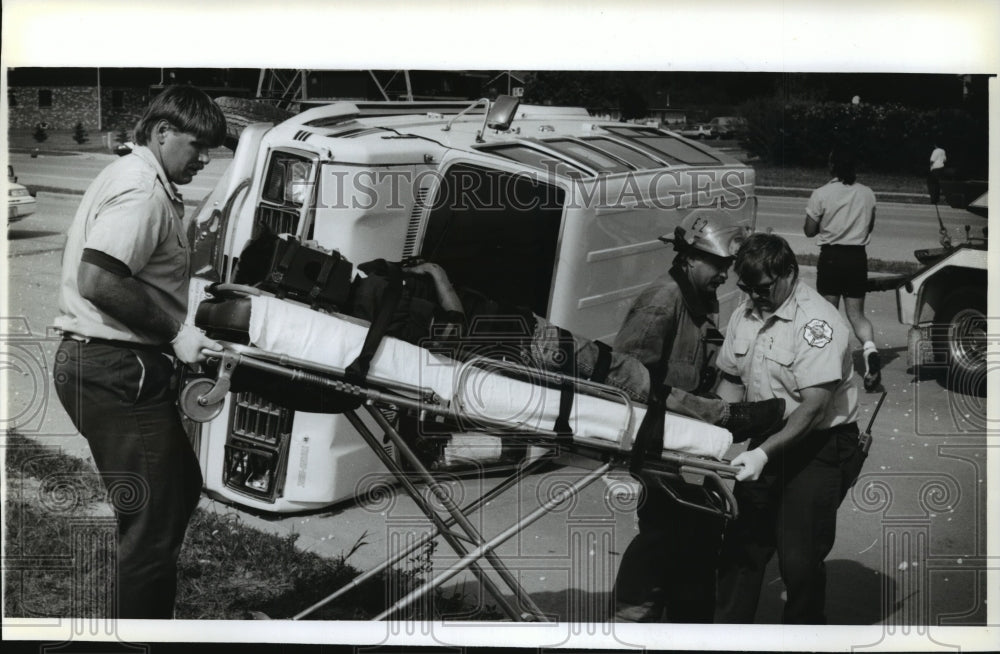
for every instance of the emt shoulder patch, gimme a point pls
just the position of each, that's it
(817, 332)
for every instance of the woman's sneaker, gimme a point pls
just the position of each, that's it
(873, 371)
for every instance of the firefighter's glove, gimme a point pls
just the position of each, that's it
(189, 342)
(753, 462)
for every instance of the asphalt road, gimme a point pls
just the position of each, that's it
(911, 545)
(900, 227)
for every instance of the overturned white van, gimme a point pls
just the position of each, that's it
(543, 207)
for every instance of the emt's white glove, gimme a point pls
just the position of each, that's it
(189, 342)
(753, 463)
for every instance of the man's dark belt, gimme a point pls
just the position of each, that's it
(145, 347)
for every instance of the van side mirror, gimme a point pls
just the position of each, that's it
(501, 114)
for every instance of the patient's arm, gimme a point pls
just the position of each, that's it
(446, 294)
(442, 285)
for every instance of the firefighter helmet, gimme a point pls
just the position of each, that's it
(709, 230)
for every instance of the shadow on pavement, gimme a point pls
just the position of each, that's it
(16, 234)
(855, 595)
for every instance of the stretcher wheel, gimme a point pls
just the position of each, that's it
(191, 403)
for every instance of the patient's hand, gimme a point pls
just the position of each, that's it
(428, 268)
(446, 292)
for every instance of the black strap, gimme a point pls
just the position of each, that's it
(649, 436)
(291, 247)
(567, 390)
(658, 373)
(329, 262)
(358, 370)
(603, 364)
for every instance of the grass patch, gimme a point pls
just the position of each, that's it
(874, 265)
(61, 546)
(811, 178)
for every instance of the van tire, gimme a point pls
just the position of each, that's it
(960, 335)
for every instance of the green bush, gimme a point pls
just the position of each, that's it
(888, 137)
(80, 134)
(41, 133)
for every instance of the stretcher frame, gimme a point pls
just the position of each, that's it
(202, 399)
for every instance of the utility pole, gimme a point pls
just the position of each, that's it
(99, 129)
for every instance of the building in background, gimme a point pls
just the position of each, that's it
(112, 99)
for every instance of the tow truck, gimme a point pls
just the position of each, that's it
(944, 304)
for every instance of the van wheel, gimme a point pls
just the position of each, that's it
(961, 336)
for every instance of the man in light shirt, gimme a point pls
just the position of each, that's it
(938, 160)
(123, 302)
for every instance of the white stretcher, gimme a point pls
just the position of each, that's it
(305, 347)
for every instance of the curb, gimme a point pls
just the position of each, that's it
(882, 196)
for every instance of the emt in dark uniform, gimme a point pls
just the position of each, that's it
(784, 340)
(667, 574)
(123, 302)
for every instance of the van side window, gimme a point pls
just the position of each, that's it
(541, 160)
(664, 144)
(496, 232)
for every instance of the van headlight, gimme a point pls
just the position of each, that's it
(297, 182)
(18, 193)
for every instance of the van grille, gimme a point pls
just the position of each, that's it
(256, 451)
(413, 227)
(259, 420)
(281, 221)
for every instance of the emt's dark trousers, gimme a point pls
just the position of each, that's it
(123, 402)
(791, 509)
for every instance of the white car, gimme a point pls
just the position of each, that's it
(699, 131)
(728, 127)
(20, 203)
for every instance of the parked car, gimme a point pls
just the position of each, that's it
(20, 201)
(696, 131)
(124, 148)
(728, 127)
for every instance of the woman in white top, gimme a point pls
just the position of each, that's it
(842, 213)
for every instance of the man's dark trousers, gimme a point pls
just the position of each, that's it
(123, 401)
(667, 573)
(791, 509)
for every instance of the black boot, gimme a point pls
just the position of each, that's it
(758, 419)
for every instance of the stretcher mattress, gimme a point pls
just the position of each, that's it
(473, 388)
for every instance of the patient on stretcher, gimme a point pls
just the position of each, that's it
(480, 397)
(439, 315)
(429, 311)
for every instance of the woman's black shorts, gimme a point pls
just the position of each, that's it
(842, 270)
